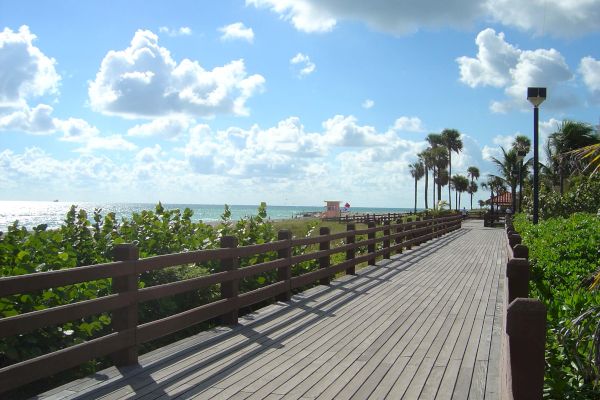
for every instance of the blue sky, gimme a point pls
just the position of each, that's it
(283, 101)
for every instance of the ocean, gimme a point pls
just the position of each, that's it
(34, 213)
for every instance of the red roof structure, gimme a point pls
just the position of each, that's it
(503, 199)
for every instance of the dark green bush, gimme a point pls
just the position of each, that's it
(565, 254)
(583, 196)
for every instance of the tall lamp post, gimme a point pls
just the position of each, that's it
(520, 156)
(536, 96)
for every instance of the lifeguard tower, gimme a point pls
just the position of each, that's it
(332, 209)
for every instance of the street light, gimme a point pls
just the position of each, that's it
(536, 96)
(520, 156)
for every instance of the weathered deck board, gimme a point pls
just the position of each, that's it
(425, 325)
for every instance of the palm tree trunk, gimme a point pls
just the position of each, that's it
(433, 186)
(415, 195)
(520, 185)
(562, 178)
(450, 175)
(426, 188)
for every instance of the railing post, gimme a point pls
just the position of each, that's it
(526, 330)
(386, 239)
(517, 274)
(514, 239)
(126, 318)
(521, 251)
(229, 289)
(419, 240)
(408, 227)
(350, 254)
(399, 239)
(371, 247)
(284, 274)
(324, 262)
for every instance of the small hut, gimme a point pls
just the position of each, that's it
(502, 201)
(332, 209)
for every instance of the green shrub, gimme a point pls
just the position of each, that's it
(565, 254)
(583, 196)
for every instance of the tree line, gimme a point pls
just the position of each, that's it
(437, 160)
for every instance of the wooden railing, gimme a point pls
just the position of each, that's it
(366, 218)
(123, 303)
(524, 322)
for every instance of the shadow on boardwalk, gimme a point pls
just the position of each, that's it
(422, 325)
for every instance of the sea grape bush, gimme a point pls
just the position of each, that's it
(79, 241)
(565, 255)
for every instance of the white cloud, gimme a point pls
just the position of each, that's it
(181, 31)
(304, 15)
(167, 127)
(368, 103)
(237, 31)
(76, 130)
(548, 17)
(36, 121)
(409, 124)
(590, 70)
(143, 81)
(500, 64)
(554, 17)
(306, 67)
(398, 17)
(494, 60)
(26, 71)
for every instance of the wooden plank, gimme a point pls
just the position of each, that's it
(408, 318)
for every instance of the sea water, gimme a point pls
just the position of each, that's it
(34, 213)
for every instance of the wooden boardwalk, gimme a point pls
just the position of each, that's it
(425, 325)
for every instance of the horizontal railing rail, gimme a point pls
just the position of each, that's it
(123, 303)
(524, 322)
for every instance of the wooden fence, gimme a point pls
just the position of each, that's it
(524, 335)
(123, 303)
(366, 218)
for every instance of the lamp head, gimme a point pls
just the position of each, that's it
(521, 155)
(536, 95)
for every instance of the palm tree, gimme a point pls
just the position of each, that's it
(472, 189)
(451, 139)
(417, 170)
(522, 146)
(461, 184)
(426, 158)
(569, 136)
(509, 170)
(473, 173)
(495, 184)
(590, 157)
(440, 155)
(435, 141)
(443, 178)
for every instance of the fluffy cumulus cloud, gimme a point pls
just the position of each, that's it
(302, 64)
(181, 31)
(167, 127)
(409, 124)
(37, 120)
(397, 17)
(555, 17)
(237, 31)
(590, 71)
(500, 64)
(26, 71)
(548, 17)
(144, 81)
(76, 130)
